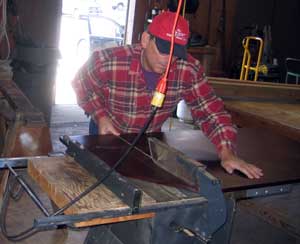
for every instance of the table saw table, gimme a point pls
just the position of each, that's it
(160, 194)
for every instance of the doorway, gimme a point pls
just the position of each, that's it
(87, 25)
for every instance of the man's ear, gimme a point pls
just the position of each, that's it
(145, 39)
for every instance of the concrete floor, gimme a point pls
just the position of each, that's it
(68, 119)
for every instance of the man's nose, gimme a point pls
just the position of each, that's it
(164, 58)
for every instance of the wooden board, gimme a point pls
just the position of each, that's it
(283, 118)
(63, 179)
(23, 129)
(261, 104)
(238, 89)
(281, 113)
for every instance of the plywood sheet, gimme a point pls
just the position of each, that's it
(278, 156)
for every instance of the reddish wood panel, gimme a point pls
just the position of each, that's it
(23, 130)
(31, 141)
(277, 155)
(23, 127)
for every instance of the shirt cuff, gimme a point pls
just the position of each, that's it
(227, 144)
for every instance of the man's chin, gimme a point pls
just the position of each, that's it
(160, 70)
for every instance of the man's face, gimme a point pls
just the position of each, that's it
(152, 59)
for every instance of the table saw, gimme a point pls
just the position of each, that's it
(170, 188)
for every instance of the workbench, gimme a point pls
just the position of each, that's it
(255, 104)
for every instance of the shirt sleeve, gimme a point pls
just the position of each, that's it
(209, 113)
(91, 88)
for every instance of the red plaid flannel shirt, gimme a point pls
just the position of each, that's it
(111, 83)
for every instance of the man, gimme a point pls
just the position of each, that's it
(115, 86)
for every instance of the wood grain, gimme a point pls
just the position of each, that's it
(261, 104)
(63, 179)
(283, 118)
(232, 88)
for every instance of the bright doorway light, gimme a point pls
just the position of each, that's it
(85, 26)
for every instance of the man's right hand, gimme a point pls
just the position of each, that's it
(105, 127)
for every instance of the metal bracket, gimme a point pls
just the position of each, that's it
(13, 162)
(267, 191)
(118, 184)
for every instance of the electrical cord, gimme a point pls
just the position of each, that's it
(16, 191)
(16, 237)
(156, 102)
(159, 96)
(32, 230)
(161, 88)
(123, 157)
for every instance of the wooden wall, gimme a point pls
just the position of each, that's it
(223, 21)
(142, 10)
(209, 22)
(40, 20)
(35, 56)
(214, 20)
(282, 16)
(220, 21)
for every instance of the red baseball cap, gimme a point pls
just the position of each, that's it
(161, 27)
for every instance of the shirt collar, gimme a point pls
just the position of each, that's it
(136, 65)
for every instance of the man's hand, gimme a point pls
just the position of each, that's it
(230, 162)
(105, 127)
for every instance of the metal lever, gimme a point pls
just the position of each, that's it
(188, 232)
(29, 191)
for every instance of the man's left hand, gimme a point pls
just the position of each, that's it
(230, 162)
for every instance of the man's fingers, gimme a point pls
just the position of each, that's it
(105, 127)
(109, 131)
(250, 171)
(244, 169)
(115, 132)
(104, 131)
(228, 168)
(255, 171)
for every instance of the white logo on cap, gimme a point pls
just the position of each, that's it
(178, 35)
